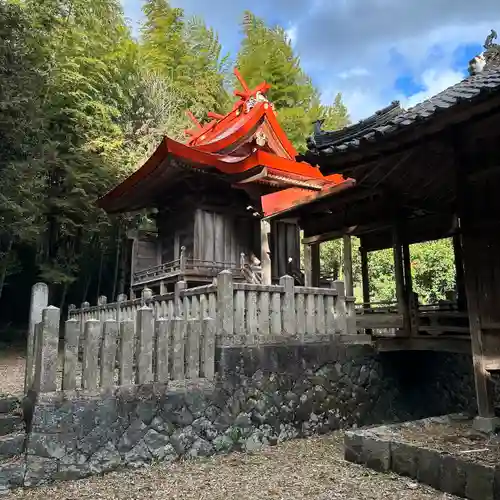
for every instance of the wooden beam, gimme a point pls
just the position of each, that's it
(348, 278)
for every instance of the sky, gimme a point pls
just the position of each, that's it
(372, 51)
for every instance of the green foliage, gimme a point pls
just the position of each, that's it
(266, 54)
(83, 104)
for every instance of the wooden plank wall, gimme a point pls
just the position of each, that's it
(285, 243)
(145, 254)
(222, 237)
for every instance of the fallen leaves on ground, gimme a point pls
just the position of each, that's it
(300, 469)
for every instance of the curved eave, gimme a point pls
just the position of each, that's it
(143, 187)
(244, 126)
(293, 202)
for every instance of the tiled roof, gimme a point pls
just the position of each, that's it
(393, 119)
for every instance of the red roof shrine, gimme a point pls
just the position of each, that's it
(245, 147)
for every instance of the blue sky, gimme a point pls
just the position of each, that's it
(372, 51)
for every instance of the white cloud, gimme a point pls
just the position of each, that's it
(434, 82)
(352, 72)
(361, 47)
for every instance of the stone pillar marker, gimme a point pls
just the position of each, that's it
(39, 301)
(47, 347)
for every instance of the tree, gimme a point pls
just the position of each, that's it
(266, 54)
(187, 54)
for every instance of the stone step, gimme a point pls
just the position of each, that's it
(10, 424)
(12, 444)
(9, 404)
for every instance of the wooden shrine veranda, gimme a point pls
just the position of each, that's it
(426, 173)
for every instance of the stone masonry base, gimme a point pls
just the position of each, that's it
(381, 449)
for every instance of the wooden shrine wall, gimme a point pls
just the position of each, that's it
(285, 243)
(145, 254)
(223, 236)
(175, 229)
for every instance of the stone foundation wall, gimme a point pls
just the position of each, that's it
(264, 395)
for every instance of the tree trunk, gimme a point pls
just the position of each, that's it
(64, 294)
(99, 276)
(123, 266)
(4, 266)
(117, 263)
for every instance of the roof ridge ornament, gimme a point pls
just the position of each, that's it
(487, 59)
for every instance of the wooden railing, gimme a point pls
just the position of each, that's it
(184, 266)
(383, 318)
(244, 312)
(100, 353)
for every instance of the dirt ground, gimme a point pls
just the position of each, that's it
(12, 363)
(299, 469)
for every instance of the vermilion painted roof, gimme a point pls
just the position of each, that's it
(245, 146)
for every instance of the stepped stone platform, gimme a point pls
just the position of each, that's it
(443, 452)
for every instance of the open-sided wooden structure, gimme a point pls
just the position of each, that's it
(429, 172)
(207, 196)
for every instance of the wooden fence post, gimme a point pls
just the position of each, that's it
(178, 299)
(193, 348)
(179, 335)
(163, 333)
(126, 370)
(119, 300)
(208, 358)
(71, 346)
(48, 350)
(91, 338)
(145, 330)
(340, 308)
(39, 301)
(288, 306)
(225, 304)
(108, 352)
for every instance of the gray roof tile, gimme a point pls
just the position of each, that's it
(393, 118)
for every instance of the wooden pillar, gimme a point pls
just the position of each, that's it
(349, 286)
(365, 277)
(307, 265)
(399, 276)
(265, 253)
(484, 393)
(411, 299)
(315, 264)
(459, 273)
(471, 249)
(311, 264)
